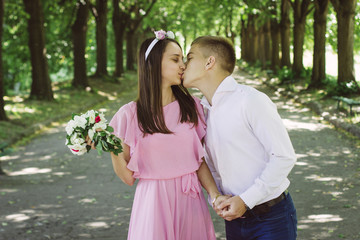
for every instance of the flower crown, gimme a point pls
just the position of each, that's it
(159, 35)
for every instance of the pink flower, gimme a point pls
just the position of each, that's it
(160, 35)
(75, 150)
(97, 119)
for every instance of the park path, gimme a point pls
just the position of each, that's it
(52, 194)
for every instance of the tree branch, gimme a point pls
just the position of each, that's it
(138, 21)
(309, 10)
(292, 4)
(92, 8)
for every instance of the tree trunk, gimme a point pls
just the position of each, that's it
(41, 84)
(3, 116)
(130, 49)
(275, 45)
(345, 12)
(253, 43)
(275, 38)
(243, 36)
(79, 29)
(285, 33)
(120, 21)
(131, 41)
(300, 12)
(101, 37)
(318, 71)
(267, 41)
(261, 48)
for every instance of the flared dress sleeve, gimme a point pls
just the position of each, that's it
(126, 128)
(123, 124)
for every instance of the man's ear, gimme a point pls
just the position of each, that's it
(210, 63)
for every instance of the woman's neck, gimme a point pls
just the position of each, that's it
(167, 96)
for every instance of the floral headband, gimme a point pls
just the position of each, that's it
(159, 35)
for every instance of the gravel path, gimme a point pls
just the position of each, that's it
(51, 194)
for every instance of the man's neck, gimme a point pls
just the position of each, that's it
(209, 86)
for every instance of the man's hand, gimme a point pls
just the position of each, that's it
(231, 208)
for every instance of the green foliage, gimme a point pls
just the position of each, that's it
(285, 74)
(16, 56)
(333, 88)
(357, 28)
(306, 73)
(188, 19)
(58, 20)
(25, 114)
(331, 35)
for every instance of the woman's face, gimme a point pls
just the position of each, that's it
(172, 65)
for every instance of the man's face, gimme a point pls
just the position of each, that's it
(195, 68)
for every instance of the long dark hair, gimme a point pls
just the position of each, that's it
(149, 101)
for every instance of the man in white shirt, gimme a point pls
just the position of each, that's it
(249, 151)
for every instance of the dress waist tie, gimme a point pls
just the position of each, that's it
(190, 184)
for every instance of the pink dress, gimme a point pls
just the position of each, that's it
(168, 202)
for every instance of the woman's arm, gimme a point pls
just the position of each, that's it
(120, 162)
(207, 180)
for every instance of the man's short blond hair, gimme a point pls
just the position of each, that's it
(220, 48)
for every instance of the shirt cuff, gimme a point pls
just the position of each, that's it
(251, 196)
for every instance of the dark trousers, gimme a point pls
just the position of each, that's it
(280, 223)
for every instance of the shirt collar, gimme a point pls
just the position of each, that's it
(227, 85)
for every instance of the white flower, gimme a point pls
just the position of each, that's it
(170, 34)
(102, 118)
(78, 149)
(70, 127)
(80, 122)
(91, 133)
(91, 115)
(100, 125)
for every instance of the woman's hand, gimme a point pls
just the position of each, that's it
(219, 200)
(90, 142)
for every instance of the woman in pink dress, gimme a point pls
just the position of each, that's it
(161, 133)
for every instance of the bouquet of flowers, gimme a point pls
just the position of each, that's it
(93, 125)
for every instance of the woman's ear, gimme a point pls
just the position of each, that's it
(210, 63)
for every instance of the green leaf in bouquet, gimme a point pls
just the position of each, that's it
(68, 138)
(104, 145)
(99, 149)
(116, 151)
(110, 129)
(73, 116)
(110, 140)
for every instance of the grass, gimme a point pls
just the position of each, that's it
(27, 116)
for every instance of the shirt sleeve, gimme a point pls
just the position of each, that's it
(269, 129)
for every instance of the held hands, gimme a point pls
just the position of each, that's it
(229, 208)
(220, 199)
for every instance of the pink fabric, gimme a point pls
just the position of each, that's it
(168, 202)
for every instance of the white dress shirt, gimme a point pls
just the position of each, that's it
(249, 151)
